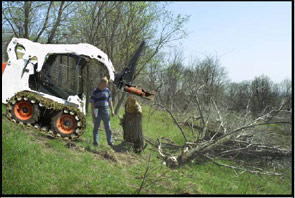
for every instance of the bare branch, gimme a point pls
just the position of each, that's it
(226, 136)
(27, 7)
(182, 132)
(45, 22)
(15, 33)
(242, 169)
(220, 117)
(170, 161)
(145, 174)
(56, 24)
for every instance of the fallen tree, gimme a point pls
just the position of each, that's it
(236, 143)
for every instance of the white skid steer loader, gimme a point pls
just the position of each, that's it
(39, 92)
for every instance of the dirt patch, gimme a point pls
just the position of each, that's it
(71, 145)
(122, 157)
(127, 159)
(117, 154)
(107, 155)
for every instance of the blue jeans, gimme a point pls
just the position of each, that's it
(103, 114)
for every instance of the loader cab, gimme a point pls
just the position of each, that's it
(61, 76)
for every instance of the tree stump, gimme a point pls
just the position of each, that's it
(132, 124)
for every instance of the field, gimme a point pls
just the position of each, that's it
(33, 163)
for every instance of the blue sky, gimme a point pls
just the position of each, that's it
(251, 38)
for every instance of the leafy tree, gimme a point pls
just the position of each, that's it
(119, 27)
(35, 20)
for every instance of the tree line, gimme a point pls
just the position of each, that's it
(182, 87)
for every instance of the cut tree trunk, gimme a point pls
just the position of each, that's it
(132, 124)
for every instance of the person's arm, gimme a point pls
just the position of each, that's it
(111, 104)
(92, 106)
(112, 108)
(92, 110)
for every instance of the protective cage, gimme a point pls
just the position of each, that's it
(62, 75)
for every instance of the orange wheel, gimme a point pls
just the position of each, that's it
(64, 124)
(24, 111)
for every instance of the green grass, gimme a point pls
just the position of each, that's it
(35, 164)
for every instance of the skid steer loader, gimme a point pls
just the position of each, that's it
(33, 82)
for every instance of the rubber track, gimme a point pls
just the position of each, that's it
(54, 107)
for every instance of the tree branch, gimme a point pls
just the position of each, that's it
(145, 174)
(57, 23)
(27, 7)
(242, 169)
(45, 22)
(181, 130)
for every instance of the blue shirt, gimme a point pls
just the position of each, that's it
(100, 98)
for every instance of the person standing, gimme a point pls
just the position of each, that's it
(100, 101)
